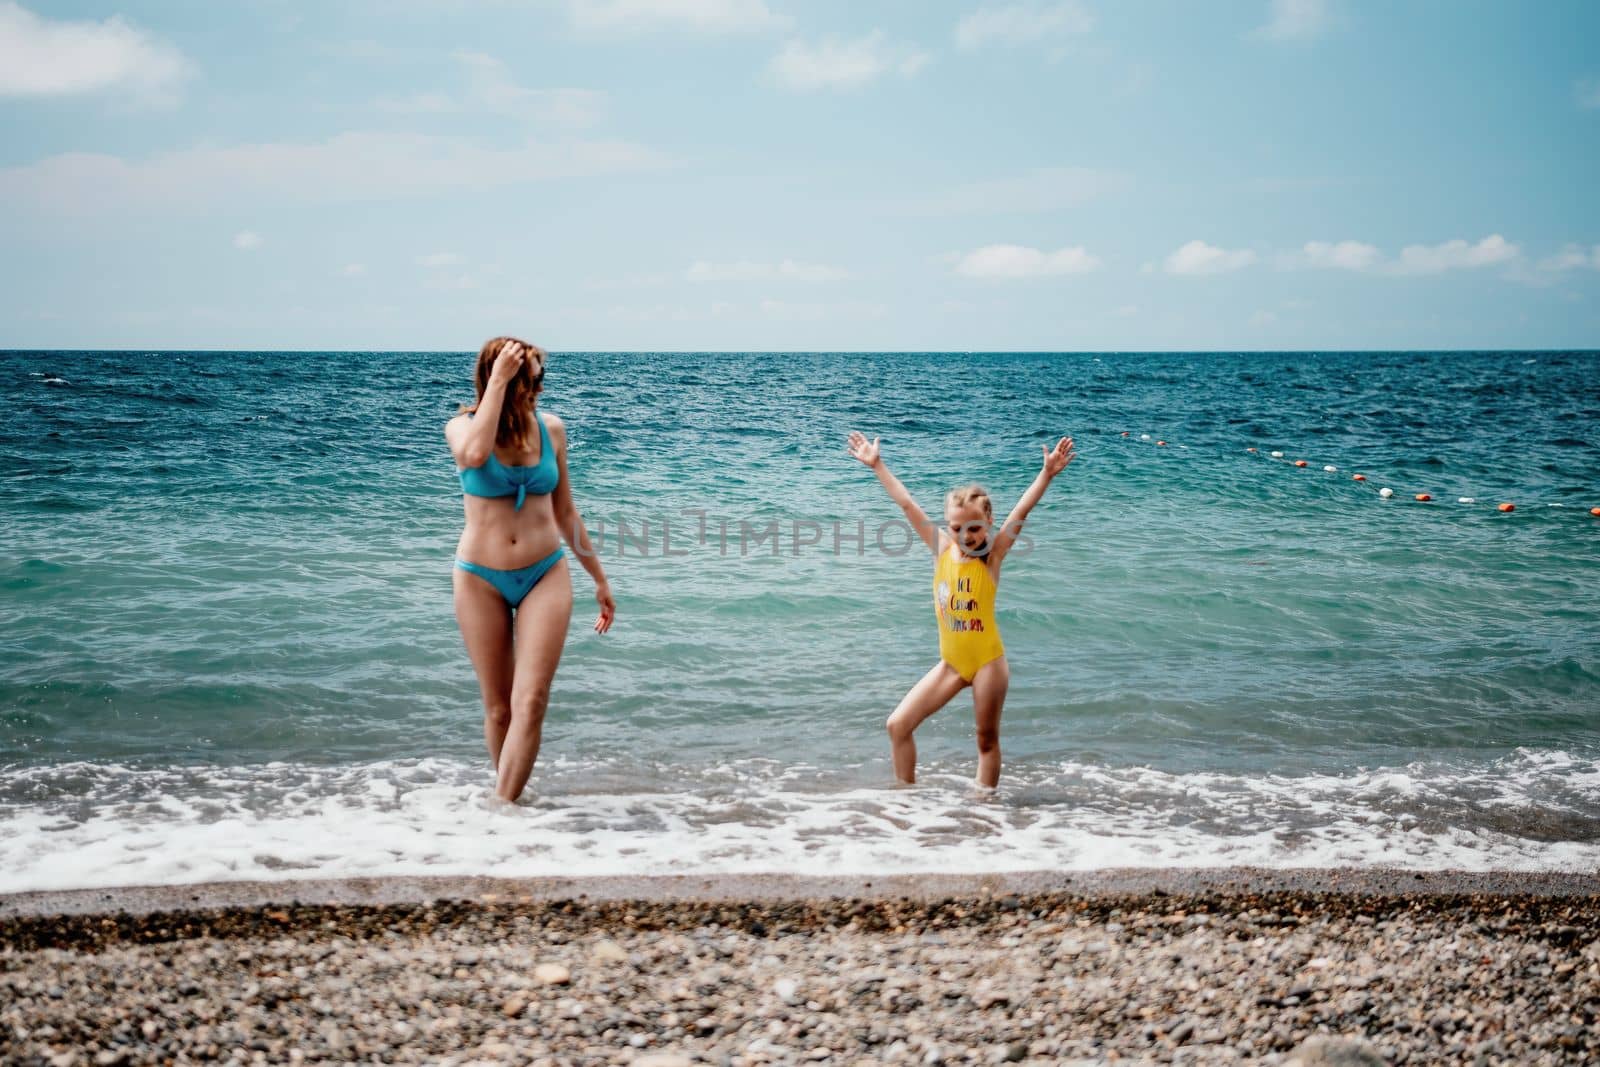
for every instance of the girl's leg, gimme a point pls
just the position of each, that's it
(541, 627)
(926, 697)
(485, 623)
(989, 687)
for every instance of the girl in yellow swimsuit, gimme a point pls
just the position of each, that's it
(966, 574)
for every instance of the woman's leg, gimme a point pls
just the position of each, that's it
(926, 697)
(485, 623)
(989, 687)
(541, 627)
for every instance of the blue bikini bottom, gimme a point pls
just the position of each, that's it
(515, 584)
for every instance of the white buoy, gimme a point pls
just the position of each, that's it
(1277, 455)
(1467, 500)
(1386, 492)
(1144, 437)
(1330, 468)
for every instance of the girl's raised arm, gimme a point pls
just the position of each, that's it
(1055, 461)
(867, 452)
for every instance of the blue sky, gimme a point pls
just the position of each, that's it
(775, 174)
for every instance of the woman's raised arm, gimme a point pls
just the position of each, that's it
(471, 439)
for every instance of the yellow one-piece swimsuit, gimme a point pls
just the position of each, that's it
(963, 602)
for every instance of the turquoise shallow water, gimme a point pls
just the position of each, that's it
(229, 649)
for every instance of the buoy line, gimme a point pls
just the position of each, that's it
(1384, 492)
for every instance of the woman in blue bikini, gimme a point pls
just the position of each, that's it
(513, 590)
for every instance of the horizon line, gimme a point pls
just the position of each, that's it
(152, 350)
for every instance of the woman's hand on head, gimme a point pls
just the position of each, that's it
(1056, 459)
(608, 607)
(864, 450)
(507, 362)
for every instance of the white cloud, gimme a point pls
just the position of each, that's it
(704, 16)
(349, 166)
(490, 88)
(45, 57)
(1341, 255)
(1197, 257)
(1587, 91)
(1552, 268)
(1126, 311)
(1454, 255)
(1572, 257)
(1263, 318)
(1040, 190)
(440, 259)
(247, 240)
(1293, 20)
(1023, 23)
(354, 270)
(835, 63)
(787, 270)
(1413, 259)
(1019, 261)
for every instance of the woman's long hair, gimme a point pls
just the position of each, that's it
(516, 429)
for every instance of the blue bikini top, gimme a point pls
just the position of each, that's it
(494, 478)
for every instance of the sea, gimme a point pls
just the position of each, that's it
(228, 649)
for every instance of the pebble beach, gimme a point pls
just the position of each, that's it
(1163, 970)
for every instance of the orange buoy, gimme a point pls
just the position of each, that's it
(1124, 433)
(1161, 444)
(1508, 507)
(1424, 497)
(1595, 512)
(1358, 477)
(1299, 463)
(1251, 451)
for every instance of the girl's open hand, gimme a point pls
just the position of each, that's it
(507, 362)
(608, 608)
(1056, 459)
(864, 450)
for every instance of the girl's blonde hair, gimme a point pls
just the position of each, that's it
(963, 495)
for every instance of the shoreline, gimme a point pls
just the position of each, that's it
(1112, 882)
